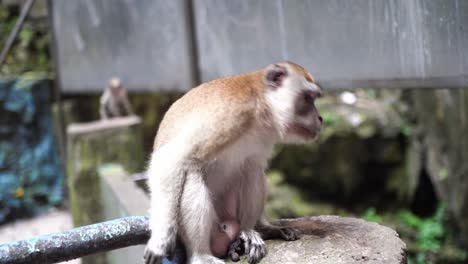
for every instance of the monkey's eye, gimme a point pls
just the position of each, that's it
(308, 98)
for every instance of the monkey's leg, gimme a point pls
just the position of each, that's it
(252, 191)
(166, 180)
(198, 217)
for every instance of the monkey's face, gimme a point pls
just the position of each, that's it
(116, 90)
(291, 94)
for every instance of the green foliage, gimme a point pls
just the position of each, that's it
(371, 215)
(30, 51)
(443, 173)
(431, 238)
(430, 231)
(428, 239)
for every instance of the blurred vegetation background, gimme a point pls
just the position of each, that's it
(371, 161)
(31, 49)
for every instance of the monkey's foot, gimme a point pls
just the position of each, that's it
(155, 252)
(149, 257)
(249, 243)
(235, 250)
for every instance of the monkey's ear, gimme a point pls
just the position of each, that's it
(275, 74)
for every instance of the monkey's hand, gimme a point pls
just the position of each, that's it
(289, 234)
(269, 231)
(248, 243)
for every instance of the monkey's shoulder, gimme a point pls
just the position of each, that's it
(240, 88)
(222, 98)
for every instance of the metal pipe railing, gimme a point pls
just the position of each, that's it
(77, 242)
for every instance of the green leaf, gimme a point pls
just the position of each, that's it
(371, 215)
(409, 219)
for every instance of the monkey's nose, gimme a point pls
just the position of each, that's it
(320, 119)
(316, 94)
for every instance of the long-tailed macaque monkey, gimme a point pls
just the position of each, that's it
(114, 101)
(210, 154)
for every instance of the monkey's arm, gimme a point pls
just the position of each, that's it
(102, 112)
(126, 104)
(103, 101)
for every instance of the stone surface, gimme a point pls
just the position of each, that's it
(333, 239)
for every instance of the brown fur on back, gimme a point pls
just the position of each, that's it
(224, 107)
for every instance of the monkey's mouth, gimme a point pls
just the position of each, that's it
(302, 131)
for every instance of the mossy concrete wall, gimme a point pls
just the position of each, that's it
(89, 146)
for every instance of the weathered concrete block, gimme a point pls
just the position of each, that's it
(121, 197)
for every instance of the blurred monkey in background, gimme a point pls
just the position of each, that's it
(114, 101)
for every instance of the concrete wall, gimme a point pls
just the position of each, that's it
(345, 44)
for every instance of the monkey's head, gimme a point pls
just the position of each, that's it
(291, 93)
(115, 86)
